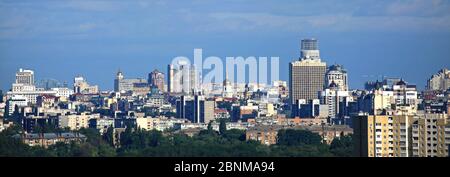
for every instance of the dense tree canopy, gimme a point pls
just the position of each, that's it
(208, 143)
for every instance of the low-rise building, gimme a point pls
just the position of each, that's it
(47, 139)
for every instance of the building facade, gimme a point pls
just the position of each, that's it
(338, 75)
(306, 76)
(382, 135)
(156, 79)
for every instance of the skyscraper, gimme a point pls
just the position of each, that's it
(156, 79)
(170, 78)
(306, 76)
(183, 78)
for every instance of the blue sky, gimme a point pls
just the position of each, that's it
(60, 39)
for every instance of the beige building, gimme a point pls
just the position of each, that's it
(47, 139)
(75, 122)
(382, 135)
(307, 76)
(266, 135)
(417, 135)
(431, 135)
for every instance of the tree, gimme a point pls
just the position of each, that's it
(234, 134)
(291, 137)
(343, 146)
(108, 136)
(222, 126)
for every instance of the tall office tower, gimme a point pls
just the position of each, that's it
(156, 79)
(196, 109)
(310, 49)
(25, 77)
(194, 80)
(430, 132)
(183, 78)
(439, 81)
(383, 135)
(306, 76)
(338, 75)
(171, 78)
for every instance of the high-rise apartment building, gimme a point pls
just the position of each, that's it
(306, 76)
(382, 135)
(335, 99)
(430, 132)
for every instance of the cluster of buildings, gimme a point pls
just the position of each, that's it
(388, 118)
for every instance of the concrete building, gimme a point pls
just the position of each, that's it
(431, 135)
(126, 85)
(338, 75)
(171, 78)
(439, 81)
(63, 92)
(47, 139)
(80, 85)
(383, 135)
(16, 100)
(335, 99)
(24, 86)
(156, 79)
(266, 135)
(25, 77)
(306, 76)
(196, 109)
(76, 121)
(310, 109)
(101, 124)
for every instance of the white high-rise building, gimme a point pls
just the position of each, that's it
(334, 98)
(338, 75)
(183, 78)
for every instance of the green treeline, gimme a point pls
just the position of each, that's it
(208, 143)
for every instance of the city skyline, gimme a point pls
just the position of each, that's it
(162, 78)
(62, 40)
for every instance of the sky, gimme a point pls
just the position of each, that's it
(60, 39)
